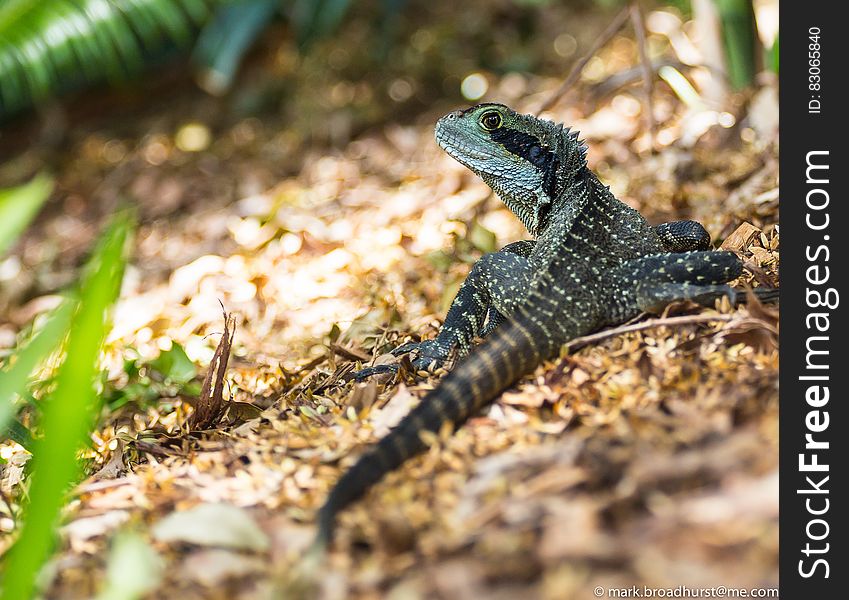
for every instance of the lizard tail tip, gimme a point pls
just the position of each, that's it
(317, 551)
(326, 524)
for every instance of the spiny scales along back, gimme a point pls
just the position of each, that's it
(595, 263)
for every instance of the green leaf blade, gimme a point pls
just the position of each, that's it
(18, 207)
(15, 377)
(68, 413)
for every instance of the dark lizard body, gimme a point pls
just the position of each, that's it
(596, 262)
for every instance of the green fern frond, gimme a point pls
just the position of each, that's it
(49, 46)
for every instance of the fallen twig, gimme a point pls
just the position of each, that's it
(349, 353)
(648, 70)
(600, 41)
(586, 340)
(616, 81)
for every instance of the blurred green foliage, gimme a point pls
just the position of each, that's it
(772, 55)
(134, 568)
(70, 408)
(52, 46)
(18, 207)
(169, 375)
(740, 40)
(15, 379)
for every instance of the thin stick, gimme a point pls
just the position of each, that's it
(648, 70)
(600, 41)
(8, 507)
(586, 340)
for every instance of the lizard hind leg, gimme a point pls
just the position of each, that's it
(704, 267)
(683, 236)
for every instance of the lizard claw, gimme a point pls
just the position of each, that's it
(405, 348)
(392, 368)
(367, 372)
(429, 357)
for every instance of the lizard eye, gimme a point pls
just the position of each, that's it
(491, 120)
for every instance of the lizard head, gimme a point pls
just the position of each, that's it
(527, 161)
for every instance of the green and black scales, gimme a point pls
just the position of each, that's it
(595, 263)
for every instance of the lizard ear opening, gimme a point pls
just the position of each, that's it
(491, 120)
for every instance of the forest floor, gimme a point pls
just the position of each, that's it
(646, 458)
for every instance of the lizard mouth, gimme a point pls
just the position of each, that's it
(456, 147)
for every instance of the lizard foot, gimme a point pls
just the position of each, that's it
(429, 356)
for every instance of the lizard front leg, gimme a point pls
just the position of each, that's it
(523, 248)
(491, 291)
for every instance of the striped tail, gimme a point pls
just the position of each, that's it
(761, 293)
(511, 351)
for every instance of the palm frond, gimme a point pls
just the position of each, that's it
(49, 46)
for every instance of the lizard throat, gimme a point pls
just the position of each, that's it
(531, 206)
(529, 148)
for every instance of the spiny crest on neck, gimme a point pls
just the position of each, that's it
(558, 139)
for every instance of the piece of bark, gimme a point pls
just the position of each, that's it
(741, 237)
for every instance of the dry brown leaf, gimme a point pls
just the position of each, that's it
(211, 405)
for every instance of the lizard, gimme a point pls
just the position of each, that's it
(595, 262)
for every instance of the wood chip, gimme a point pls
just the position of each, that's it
(741, 237)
